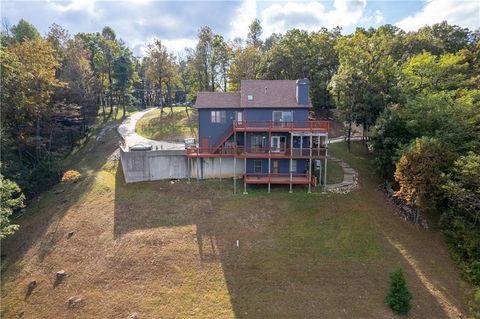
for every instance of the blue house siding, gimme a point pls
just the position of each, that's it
(266, 114)
(214, 131)
(283, 165)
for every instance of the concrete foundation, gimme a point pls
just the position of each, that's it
(139, 166)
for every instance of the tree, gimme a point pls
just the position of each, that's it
(11, 199)
(425, 72)
(38, 62)
(110, 49)
(365, 82)
(24, 30)
(203, 61)
(398, 296)
(419, 172)
(158, 66)
(123, 74)
(254, 34)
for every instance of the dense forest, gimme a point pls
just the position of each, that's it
(416, 95)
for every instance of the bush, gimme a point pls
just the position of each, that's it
(70, 176)
(398, 296)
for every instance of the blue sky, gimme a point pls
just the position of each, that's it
(176, 23)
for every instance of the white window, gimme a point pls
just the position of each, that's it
(257, 141)
(239, 116)
(218, 116)
(294, 166)
(283, 116)
(257, 166)
(277, 143)
(250, 97)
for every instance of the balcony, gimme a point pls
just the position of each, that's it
(276, 126)
(256, 152)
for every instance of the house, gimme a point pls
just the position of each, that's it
(265, 129)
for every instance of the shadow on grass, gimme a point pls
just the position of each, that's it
(40, 225)
(267, 244)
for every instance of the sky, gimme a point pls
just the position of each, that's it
(176, 23)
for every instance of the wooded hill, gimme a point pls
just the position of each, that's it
(416, 95)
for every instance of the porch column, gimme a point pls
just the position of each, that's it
(235, 161)
(325, 174)
(269, 157)
(310, 167)
(235, 173)
(291, 163)
(189, 169)
(245, 162)
(220, 168)
(198, 168)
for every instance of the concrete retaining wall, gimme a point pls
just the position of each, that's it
(141, 166)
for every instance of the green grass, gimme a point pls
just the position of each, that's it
(169, 126)
(199, 251)
(334, 173)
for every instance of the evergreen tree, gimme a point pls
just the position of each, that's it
(398, 296)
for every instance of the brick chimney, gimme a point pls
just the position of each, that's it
(302, 91)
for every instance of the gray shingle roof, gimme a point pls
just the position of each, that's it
(265, 93)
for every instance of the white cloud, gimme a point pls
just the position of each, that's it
(463, 13)
(313, 15)
(244, 15)
(176, 46)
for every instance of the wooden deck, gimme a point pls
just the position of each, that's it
(242, 152)
(275, 126)
(296, 179)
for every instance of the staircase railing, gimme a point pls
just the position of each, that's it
(226, 134)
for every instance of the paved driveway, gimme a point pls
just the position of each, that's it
(127, 131)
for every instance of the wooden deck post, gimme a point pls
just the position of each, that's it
(310, 167)
(220, 168)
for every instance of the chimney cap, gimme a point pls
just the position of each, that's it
(303, 81)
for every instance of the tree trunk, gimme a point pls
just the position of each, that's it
(37, 137)
(124, 107)
(110, 85)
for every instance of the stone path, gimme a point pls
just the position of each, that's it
(127, 131)
(350, 178)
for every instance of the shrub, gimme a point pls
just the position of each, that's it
(398, 296)
(70, 176)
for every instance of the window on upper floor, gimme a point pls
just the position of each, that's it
(283, 116)
(218, 116)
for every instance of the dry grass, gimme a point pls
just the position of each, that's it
(196, 250)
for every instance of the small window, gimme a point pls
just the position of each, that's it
(257, 166)
(250, 97)
(294, 166)
(218, 116)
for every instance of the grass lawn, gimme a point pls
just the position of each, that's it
(334, 173)
(178, 250)
(169, 126)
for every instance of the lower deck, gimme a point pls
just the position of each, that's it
(295, 179)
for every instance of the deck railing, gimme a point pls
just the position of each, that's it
(322, 126)
(266, 151)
